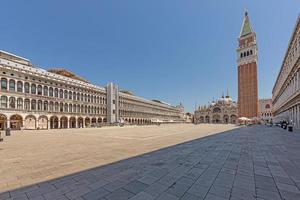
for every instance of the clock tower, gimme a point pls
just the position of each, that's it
(247, 71)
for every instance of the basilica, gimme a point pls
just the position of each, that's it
(222, 111)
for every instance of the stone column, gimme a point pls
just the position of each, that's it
(49, 124)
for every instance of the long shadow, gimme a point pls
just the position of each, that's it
(115, 175)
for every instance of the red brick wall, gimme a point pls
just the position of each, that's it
(248, 90)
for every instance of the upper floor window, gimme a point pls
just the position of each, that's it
(26, 87)
(40, 90)
(3, 84)
(61, 93)
(56, 92)
(45, 91)
(51, 92)
(33, 88)
(20, 86)
(12, 85)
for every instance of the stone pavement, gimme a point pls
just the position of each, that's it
(248, 163)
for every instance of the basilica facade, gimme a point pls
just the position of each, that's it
(34, 98)
(222, 111)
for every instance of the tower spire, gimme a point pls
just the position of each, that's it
(246, 26)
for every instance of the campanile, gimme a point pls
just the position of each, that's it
(247, 71)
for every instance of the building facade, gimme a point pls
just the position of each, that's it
(222, 111)
(33, 98)
(265, 110)
(286, 91)
(247, 71)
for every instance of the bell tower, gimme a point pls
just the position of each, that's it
(247, 71)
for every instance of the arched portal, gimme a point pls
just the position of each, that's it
(104, 120)
(43, 122)
(16, 122)
(201, 120)
(226, 119)
(72, 122)
(216, 119)
(87, 122)
(63, 122)
(30, 122)
(207, 119)
(99, 120)
(80, 122)
(54, 122)
(233, 119)
(3, 122)
(94, 121)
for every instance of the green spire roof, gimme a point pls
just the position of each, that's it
(246, 27)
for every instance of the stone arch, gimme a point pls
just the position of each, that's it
(201, 119)
(63, 122)
(3, 122)
(72, 122)
(207, 119)
(216, 119)
(99, 120)
(43, 122)
(80, 122)
(87, 122)
(233, 119)
(94, 121)
(16, 122)
(225, 119)
(54, 122)
(30, 122)
(104, 120)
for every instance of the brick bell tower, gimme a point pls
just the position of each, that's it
(247, 71)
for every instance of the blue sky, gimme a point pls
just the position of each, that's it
(172, 50)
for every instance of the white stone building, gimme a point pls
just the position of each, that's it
(286, 91)
(265, 110)
(222, 111)
(33, 98)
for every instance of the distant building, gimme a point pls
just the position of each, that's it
(265, 109)
(247, 71)
(286, 91)
(222, 111)
(33, 98)
(188, 117)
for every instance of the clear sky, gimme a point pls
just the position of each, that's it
(172, 50)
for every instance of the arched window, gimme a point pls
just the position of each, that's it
(244, 54)
(241, 55)
(3, 101)
(40, 105)
(12, 85)
(74, 108)
(27, 104)
(66, 94)
(74, 95)
(61, 94)
(45, 91)
(56, 107)
(45, 105)
(19, 86)
(12, 102)
(33, 104)
(51, 92)
(40, 90)
(3, 84)
(56, 92)
(70, 95)
(217, 110)
(20, 103)
(85, 97)
(251, 52)
(267, 106)
(89, 98)
(247, 53)
(26, 87)
(78, 96)
(33, 88)
(70, 108)
(66, 107)
(61, 107)
(51, 106)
